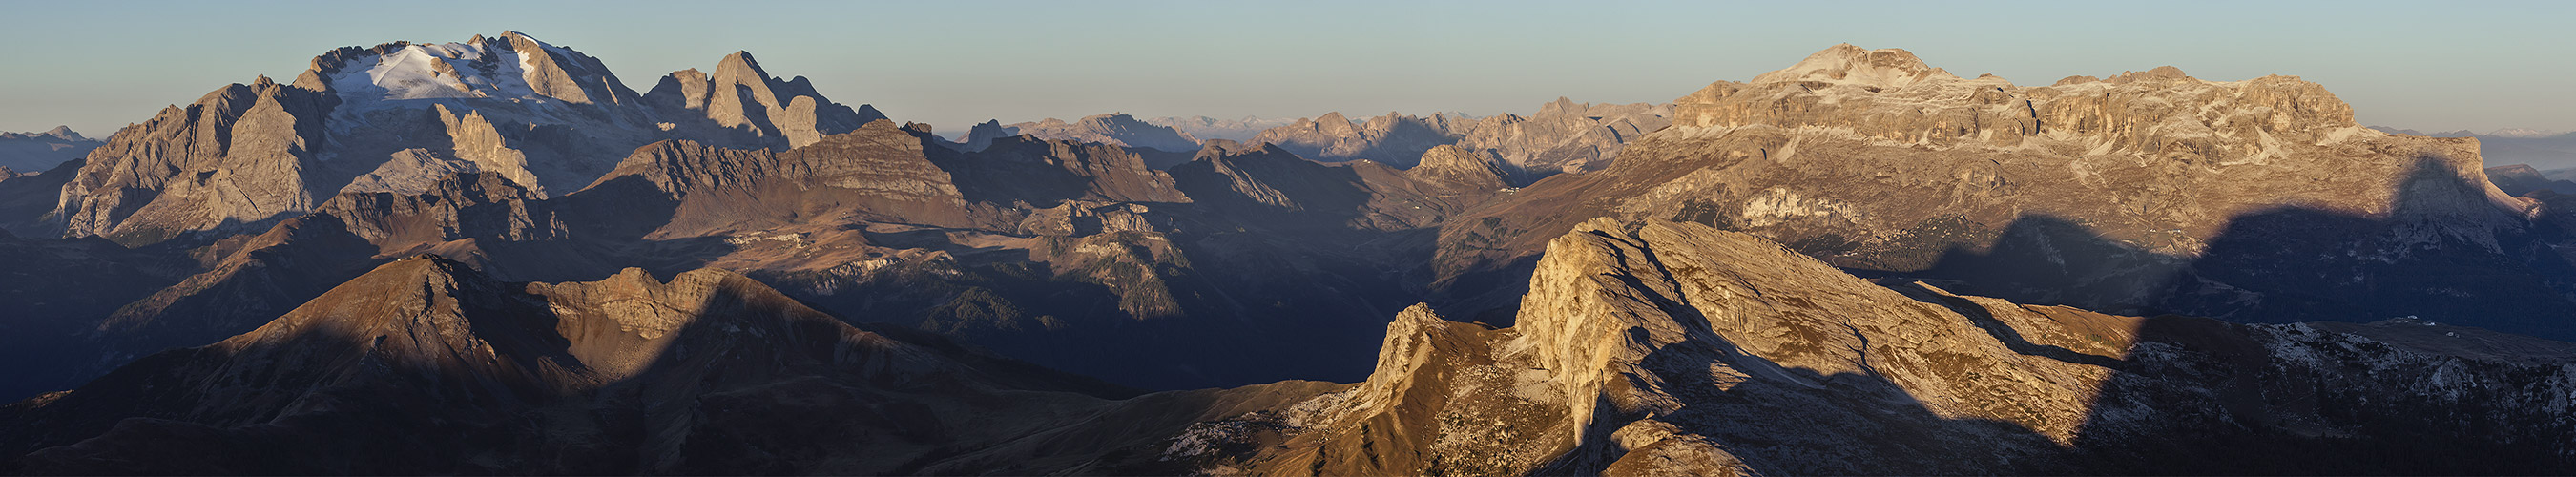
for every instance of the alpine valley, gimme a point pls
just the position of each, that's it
(494, 257)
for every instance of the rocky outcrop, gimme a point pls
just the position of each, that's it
(1564, 136)
(1115, 129)
(1662, 348)
(2519, 179)
(239, 156)
(877, 173)
(461, 206)
(411, 171)
(2151, 192)
(983, 134)
(547, 116)
(38, 151)
(477, 141)
(1042, 172)
(741, 105)
(1461, 170)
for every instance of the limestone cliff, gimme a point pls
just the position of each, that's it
(2150, 192)
(878, 172)
(1461, 170)
(740, 102)
(1662, 348)
(1565, 136)
(240, 155)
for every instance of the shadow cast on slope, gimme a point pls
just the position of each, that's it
(317, 398)
(1769, 417)
(751, 382)
(2300, 264)
(2186, 395)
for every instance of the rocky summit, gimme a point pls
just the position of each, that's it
(495, 257)
(391, 117)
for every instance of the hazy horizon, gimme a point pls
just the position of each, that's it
(2415, 66)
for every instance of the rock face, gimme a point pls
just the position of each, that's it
(2149, 192)
(878, 173)
(740, 104)
(243, 154)
(1115, 129)
(38, 151)
(400, 116)
(1461, 170)
(1042, 172)
(1665, 348)
(1565, 136)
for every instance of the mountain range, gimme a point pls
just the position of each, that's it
(1204, 127)
(492, 257)
(36, 152)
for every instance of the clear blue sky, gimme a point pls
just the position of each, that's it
(98, 65)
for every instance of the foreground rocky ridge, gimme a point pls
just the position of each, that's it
(1665, 348)
(1651, 348)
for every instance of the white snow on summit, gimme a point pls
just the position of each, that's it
(437, 71)
(2523, 133)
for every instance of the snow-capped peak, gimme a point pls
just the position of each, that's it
(496, 68)
(2523, 133)
(1846, 64)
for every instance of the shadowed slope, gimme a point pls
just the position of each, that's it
(1663, 348)
(425, 365)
